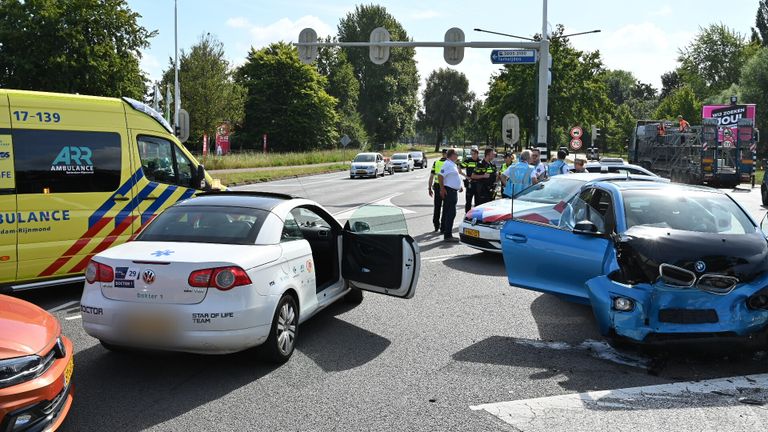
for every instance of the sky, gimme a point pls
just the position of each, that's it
(641, 37)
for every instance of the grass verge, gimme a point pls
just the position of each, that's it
(234, 179)
(260, 160)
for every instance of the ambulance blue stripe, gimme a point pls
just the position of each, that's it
(187, 194)
(127, 210)
(157, 204)
(109, 203)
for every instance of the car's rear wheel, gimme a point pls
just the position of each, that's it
(282, 336)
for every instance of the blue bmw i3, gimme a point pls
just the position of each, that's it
(657, 262)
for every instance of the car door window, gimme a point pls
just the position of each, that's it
(378, 219)
(156, 156)
(291, 230)
(583, 208)
(185, 169)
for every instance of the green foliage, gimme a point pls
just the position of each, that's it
(447, 101)
(754, 87)
(619, 84)
(342, 84)
(208, 91)
(578, 94)
(670, 82)
(619, 128)
(760, 33)
(388, 93)
(72, 46)
(713, 60)
(681, 102)
(286, 100)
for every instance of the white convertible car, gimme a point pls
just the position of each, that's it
(227, 271)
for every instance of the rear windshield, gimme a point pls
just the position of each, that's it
(551, 191)
(201, 224)
(697, 211)
(416, 154)
(365, 158)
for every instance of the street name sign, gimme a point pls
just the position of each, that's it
(525, 56)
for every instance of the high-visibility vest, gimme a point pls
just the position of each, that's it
(555, 168)
(519, 179)
(437, 166)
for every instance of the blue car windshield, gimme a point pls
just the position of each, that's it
(688, 210)
(552, 190)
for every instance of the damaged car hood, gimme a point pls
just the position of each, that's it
(641, 249)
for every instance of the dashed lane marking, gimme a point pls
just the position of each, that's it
(73, 317)
(64, 306)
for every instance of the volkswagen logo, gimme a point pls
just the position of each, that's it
(700, 266)
(148, 276)
(474, 221)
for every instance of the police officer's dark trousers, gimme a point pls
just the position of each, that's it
(438, 206)
(449, 211)
(469, 188)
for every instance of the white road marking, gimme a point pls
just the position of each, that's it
(386, 201)
(438, 256)
(532, 414)
(64, 306)
(73, 317)
(598, 349)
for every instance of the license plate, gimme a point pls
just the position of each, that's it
(471, 232)
(149, 325)
(68, 371)
(361, 171)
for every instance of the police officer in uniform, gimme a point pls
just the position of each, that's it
(469, 164)
(484, 178)
(434, 189)
(519, 176)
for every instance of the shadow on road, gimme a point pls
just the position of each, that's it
(481, 264)
(139, 390)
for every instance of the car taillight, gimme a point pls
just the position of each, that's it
(98, 272)
(222, 278)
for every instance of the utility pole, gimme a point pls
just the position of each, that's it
(543, 96)
(176, 91)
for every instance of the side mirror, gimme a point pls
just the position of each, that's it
(360, 226)
(200, 177)
(585, 227)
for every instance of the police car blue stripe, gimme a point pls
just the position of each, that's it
(109, 203)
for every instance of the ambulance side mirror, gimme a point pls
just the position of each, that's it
(200, 177)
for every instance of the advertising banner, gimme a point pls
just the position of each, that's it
(728, 117)
(222, 139)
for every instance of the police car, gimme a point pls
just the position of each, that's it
(224, 272)
(543, 202)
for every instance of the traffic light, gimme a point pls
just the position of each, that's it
(595, 135)
(509, 134)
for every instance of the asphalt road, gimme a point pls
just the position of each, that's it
(468, 352)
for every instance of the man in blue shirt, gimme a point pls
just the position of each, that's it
(559, 166)
(518, 176)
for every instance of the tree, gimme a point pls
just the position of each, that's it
(619, 84)
(670, 82)
(620, 128)
(388, 93)
(341, 83)
(680, 102)
(447, 101)
(713, 60)
(286, 100)
(578, 93)
(208, 91)
(72, 46)
(753, 85)
(760, 33)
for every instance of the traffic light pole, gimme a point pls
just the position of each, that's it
(543, 95)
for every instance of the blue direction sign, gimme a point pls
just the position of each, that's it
(513, 56)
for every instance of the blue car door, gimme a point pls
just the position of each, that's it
(557, 259)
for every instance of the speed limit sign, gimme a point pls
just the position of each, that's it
(576, 144)
(576, 133)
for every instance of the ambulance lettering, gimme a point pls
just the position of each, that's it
(73, 160)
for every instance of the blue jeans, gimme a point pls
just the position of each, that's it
(449, 211)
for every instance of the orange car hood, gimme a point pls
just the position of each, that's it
(24, 328)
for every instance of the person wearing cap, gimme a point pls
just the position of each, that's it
(559, 166)
(468, 166)
(434, 189)
(683, 125)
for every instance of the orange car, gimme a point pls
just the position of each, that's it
(35, 368)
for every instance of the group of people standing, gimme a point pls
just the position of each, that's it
(481, 177)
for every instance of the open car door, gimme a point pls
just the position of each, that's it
(378, 255)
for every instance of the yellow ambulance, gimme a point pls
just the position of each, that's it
(79, 174)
